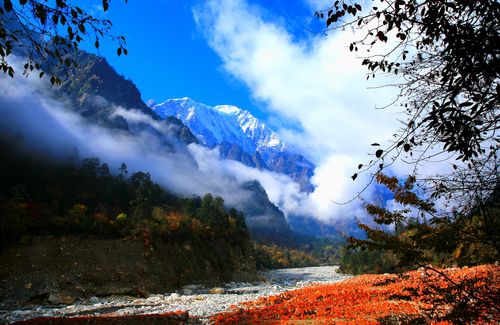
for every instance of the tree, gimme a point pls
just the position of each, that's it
(239, 219)
(90, 167)
(445, 56)
(46, 33)
(462, 240)
(123, 170)
(144, 190)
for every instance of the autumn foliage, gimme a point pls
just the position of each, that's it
(372, 299)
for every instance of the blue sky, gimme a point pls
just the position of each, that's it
(259, 55)
(169, 56)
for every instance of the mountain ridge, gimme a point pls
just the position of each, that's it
(229, 127)
(96, 89)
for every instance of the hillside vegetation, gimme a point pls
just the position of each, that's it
(109, 223)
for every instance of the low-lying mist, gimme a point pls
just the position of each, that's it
(47, 124)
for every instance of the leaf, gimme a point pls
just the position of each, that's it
(354, 176)
(375, 144)
(406, 147)
(96, 44)
(105, 5)
(119, 51)
(360, 166)
(7, 4)
(41, 13)
(22, 2)
(379, 153)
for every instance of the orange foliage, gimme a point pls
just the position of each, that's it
(361, 300)
(196, 226)
(174, 221)
(100, 217)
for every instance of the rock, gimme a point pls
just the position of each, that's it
(27, 285)
(216, 291)
(175, 295)
(154, 299)
(138, 302)
(60, 298)
(187, 292)
(94, 300)
(155, 296)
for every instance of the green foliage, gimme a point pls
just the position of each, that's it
(26, 27)
(276, 257)
(46, 198)
(364, 261)
(448, 55)
(459, 240)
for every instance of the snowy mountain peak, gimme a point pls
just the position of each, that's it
(228, 109)
(240, 136)
(221, 124)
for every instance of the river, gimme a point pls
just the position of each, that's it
(199, 301)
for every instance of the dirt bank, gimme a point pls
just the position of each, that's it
(60, 270)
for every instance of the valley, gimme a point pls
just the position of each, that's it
(242, 166)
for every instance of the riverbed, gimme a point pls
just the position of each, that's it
(199, 301)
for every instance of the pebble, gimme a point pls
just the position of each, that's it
(216, 291)
(60, 298)
(94, 300)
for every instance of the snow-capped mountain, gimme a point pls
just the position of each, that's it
(225, 123)
(240, 136)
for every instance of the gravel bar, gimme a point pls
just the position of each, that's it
(199, 301)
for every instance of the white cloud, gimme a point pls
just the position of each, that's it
(315, 82)
(48, 125)
(319, 4)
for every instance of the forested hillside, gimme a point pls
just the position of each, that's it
(87, 206)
